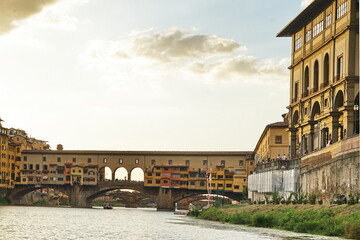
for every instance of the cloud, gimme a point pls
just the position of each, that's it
(175, 43)
(15, 10)
(175, 54)
(305, 3)
(242, 66)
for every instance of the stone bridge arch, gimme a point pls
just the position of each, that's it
(20, 191)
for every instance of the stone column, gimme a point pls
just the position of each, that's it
(335, 126)
(312, 133)
(292, 141)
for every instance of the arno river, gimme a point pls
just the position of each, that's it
(43, 223)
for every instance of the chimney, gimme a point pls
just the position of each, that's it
(59, 147)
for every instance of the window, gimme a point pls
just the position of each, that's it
(89, 160)
(74, 159)
(205, 162)
(306, 83)
(192, 174)
(202, 183)
(25, 166)
(251, 163)
(318, 28)
(187, 162)
(222, 162)
(170, 162)
(60, 179)
(25, 158)
(30, 166)
(341, 10)
(158, 174)
(157, 181)
(241, 162)
(59, 159)
(278, 139)
(149, 174)
(45, 167)
(339, 70)
(44, 159)
(192, 183)
(328, 20)
(121, 161)
(105, 160)
(326, 70)
(228, 185)
(136, 161)
(37, 167)
(308, 36)
(153, 162)
(296, 90)
(316, 76)
(298, 43)
(220, 185)
(165, 181)
(17, 150)
(149, 181)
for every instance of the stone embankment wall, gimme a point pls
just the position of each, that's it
(332, 170)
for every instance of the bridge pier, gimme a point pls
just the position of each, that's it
(165, 200)
(78, 197)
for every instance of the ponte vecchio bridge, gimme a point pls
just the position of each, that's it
(169, 176)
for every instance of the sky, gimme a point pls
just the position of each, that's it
(204, 75)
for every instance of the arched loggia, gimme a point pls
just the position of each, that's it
(121, 174)
(137, 174)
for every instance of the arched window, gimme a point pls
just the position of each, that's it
(306, 82)
(326, 70)
(316, 76)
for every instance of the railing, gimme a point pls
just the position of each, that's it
(277, 164)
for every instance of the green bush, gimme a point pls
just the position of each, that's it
(194, 212)
(41, 202)
(312, 199)
(352, 230)
(320, 202)
(263, 220)
(4, 200)
(240, 218)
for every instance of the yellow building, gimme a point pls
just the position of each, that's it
(324, 70)
(273, 143)
(13, 142)
(5, 165)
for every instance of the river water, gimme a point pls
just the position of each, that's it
(44, 223)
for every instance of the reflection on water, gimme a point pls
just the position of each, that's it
(17, 222)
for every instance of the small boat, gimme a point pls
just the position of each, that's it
(108, 207)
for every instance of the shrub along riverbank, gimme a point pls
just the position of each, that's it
(329, 220)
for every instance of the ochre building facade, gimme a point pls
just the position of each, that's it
(324, 74)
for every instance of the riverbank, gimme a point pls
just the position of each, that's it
(327, 220)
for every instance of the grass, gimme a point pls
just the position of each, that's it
(328, 220)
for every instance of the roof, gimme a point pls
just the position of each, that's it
(154, 153)
(301, 20)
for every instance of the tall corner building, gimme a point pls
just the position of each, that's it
(324, 81)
